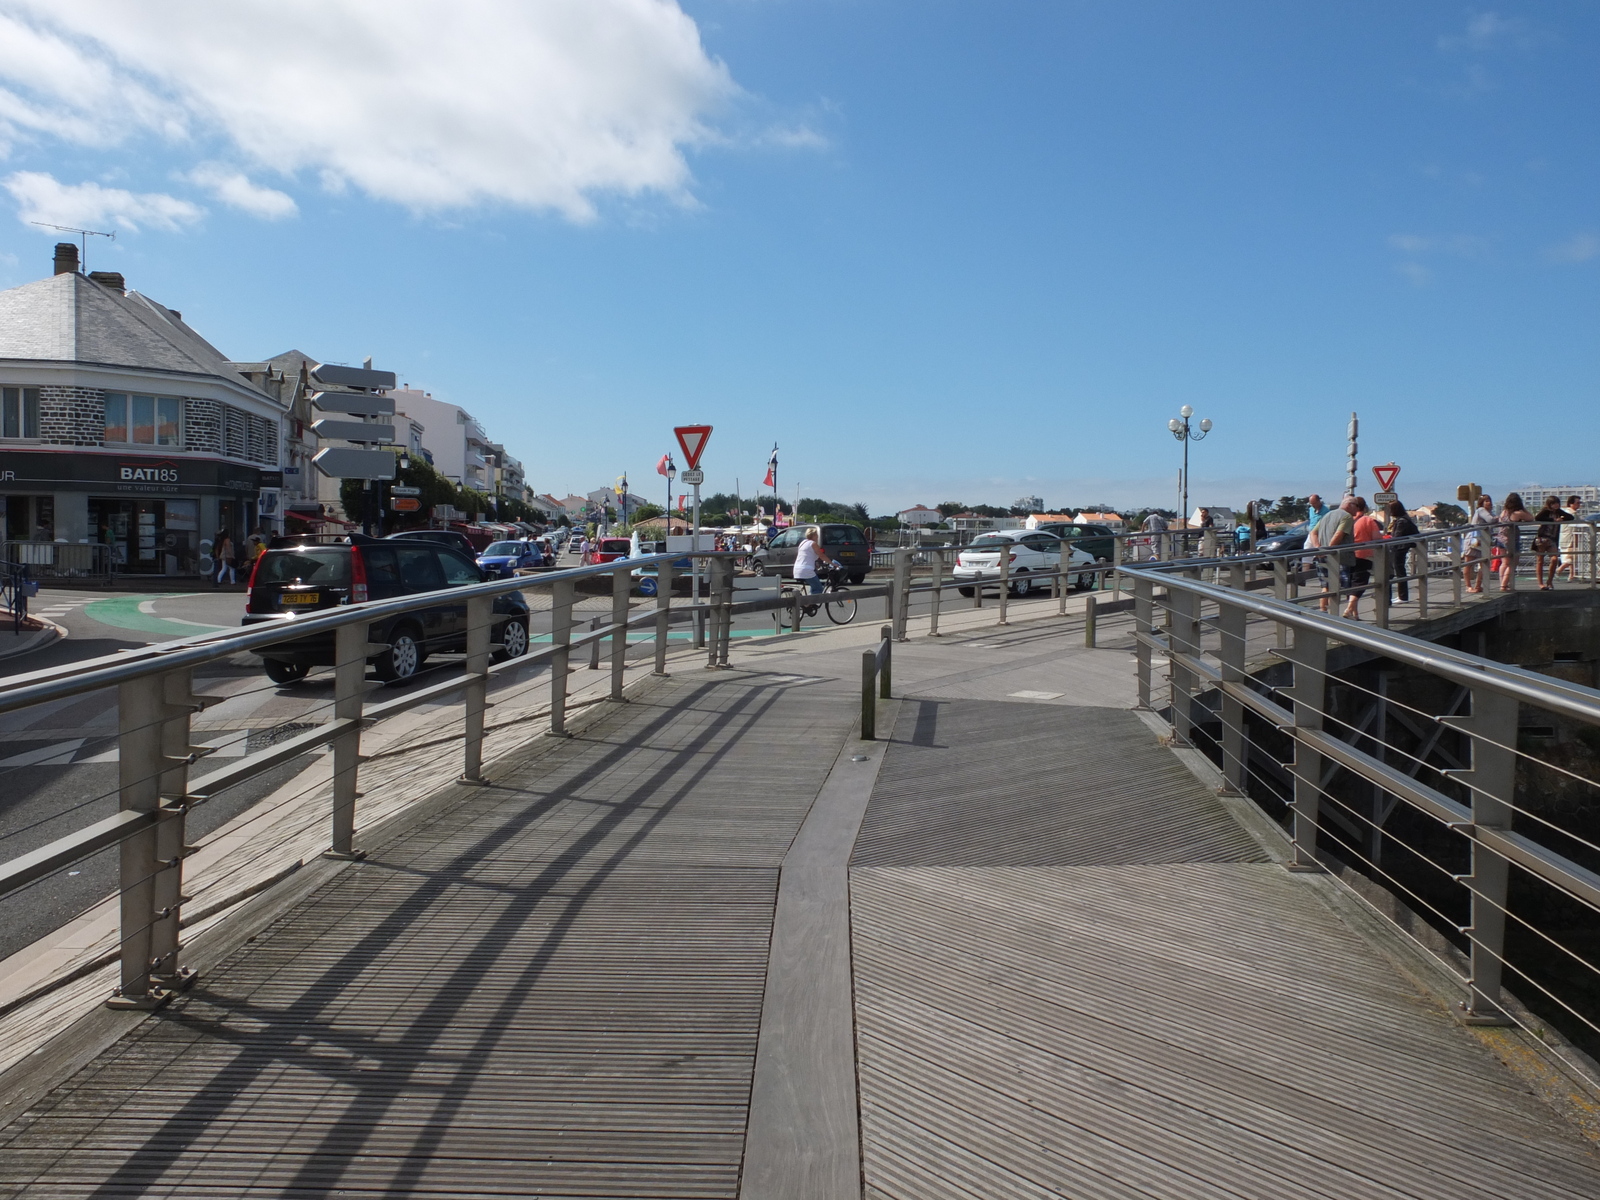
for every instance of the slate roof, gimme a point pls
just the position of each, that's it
(69, 318)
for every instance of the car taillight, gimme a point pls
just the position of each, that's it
(358, 577)
(1011, 558)
(250, 588)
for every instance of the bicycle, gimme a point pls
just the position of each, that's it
(834, 599)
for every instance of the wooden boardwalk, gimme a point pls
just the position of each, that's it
(714, 947)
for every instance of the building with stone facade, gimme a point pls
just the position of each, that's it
(122, 427)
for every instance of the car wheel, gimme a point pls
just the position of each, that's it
(758, 567)
(859, 578)
(647, 587)
(400, 661)
(513, 640)
(966, 591)
(282, 672)
(1081, 583)
(1022, 585)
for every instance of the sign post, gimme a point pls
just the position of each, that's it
(693, 438)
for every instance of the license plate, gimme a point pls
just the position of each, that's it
(299, 597)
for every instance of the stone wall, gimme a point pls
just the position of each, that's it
(202, 426)
(72, 416)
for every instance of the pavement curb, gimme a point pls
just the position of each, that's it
(37, 640)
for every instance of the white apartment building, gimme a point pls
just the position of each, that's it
(1533, 495)
(919, 515)
(455, 439)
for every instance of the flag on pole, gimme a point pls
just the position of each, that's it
(772, 469)
(681, 499)
(665, 464)
(768, 481)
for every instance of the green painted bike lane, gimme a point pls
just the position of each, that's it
(132, 612)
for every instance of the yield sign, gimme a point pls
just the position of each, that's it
(693, 440)
(1385, 477)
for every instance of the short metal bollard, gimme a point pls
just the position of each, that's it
(1089, 622)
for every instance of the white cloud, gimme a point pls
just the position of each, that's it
(1485, 31)
(1580, 247)
(1415, 273)
(42, 197)
(433, 106)
(235, 189)
(1461, 245)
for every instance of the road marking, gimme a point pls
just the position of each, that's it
(131, 612)
(58, 755)
(1037, 695)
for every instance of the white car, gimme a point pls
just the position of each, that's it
(1031, 552)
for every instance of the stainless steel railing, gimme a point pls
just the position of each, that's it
(1249, 676)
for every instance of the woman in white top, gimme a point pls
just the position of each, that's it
(808, 559)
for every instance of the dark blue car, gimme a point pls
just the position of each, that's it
(501, 560)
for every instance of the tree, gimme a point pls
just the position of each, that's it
(645, 511)
(1288, 510)
(950, 508)
(1449, 515)
(434, 488)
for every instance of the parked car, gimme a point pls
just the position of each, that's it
(607, 549)
(444, 537)
(1097, 541)
(1292, 538)
(501, 560)
(1031, 551)
(299, 577)
(843, 542)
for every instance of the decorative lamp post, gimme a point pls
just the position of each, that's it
(1180, 429)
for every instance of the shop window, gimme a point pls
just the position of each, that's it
(167, 419)
(116, 417)
(144, 420)
(19, 412)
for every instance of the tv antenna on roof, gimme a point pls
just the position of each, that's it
(83, 236)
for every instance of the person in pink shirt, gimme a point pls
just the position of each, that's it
(1366, 530)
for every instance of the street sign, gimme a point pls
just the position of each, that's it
(342, 376)
(693, 439)
(404, 503)
(340, 462)
(1386, 476)
(1382, 498)
(354, 403)
(397, 490)
(694, 476)
(353, 431)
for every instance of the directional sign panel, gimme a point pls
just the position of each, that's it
(355, 403)
(1386, 476)
(340, 462)
(361, 377)
(693, 439)
(354, 431)
(405, 504)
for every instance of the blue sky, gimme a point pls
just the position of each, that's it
(935, 250)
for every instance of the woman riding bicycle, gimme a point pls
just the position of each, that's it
(809, 563)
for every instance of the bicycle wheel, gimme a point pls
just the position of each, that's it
(786, 612)
(841, 606)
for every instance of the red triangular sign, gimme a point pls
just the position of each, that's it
(693, 440)
(1386, 477)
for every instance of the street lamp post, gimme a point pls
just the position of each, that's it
(666, 520)
(1180, 429)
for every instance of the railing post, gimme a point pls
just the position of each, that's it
(1308, 695)
(869, 700)
(1491, 781)
(349, 682)
(621, 582)
(663, 613)
(715, 613)
(1119, 553)
(1280, 592)
(1418, 562)
(1144, 626)
(901, 595)
(886, 668)
(1380, 586)
(936, 560)
(1231, 626)
(475, 697)
(561, 596)
(179, 704)
(1184, 636)
(1005, 580)
(140, 718)
(1089, 621)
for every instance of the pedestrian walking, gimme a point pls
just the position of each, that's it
(1364, 532)
(1509, 539)
(1336, 529)
(1571, 532)
(222, 558)
(1547, 542)
(1156, 526)
(1476, 545)
(1402, 526)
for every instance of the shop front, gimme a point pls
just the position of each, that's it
(156, 515)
